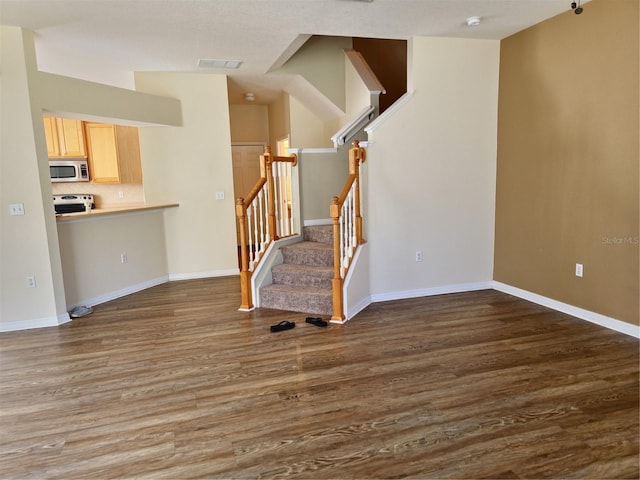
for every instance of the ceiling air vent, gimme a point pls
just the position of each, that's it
(217, 63)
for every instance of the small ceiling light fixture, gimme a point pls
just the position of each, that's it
(249, 97)
(576, 7)
(473, 21)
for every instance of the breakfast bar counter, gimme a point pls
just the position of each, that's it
(103, 212)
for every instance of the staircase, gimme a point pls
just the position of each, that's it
(303, 282)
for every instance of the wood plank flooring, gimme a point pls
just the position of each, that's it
(174, 382)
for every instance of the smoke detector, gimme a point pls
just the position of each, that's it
(473, 21)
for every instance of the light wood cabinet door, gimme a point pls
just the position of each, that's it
(128, 147)
(71, 137)
(114, 153)
(103, 157)
(51, 134)
(65, 137)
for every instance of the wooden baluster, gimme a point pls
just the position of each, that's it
(357, 155)
(270, 194)
(337, 261)
(246, 302)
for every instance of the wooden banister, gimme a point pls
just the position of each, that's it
(258, 206)
(347, 228)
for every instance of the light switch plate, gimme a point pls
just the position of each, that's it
(219, 195)
(16, 209)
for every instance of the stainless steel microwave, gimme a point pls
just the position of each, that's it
(69, 170)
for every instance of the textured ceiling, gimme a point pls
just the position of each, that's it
(105, 40)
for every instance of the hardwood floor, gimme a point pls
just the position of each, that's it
(174, 382)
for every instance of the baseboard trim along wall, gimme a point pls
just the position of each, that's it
(318, 221)
(35, 323)
(589, 316)
(428, 292)
(209, 274)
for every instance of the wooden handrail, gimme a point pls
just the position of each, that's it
(242, 205)
(357, 155)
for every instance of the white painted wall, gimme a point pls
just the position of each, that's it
(431, 172)
(188, 165)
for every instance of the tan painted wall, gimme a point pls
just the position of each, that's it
(279, 125)
(90, 251)
(188, 165)
(249, 123)
(29, 243)
(567, 178)
(431, 172)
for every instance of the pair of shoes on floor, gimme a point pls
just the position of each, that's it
(286, 325)
(80, 311)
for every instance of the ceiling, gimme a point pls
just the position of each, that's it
(106, 40)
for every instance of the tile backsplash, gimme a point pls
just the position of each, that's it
(104, 195)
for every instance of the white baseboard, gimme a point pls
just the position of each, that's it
(581, 313)
(35, 323)
(318, 221)
(427, 292)
(209, 274)
(357, 308)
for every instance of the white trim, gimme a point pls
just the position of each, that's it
(589, 316)
(354, 126)
(427, 292)
(207, 274)
(389, 112)
(298, 151)
(35, 323)
(318, 221)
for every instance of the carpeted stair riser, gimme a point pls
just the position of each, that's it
(309, 253)
(296, 299)
(302, 275)
(319, 233)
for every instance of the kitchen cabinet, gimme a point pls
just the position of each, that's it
(114, 153)
(65, 137)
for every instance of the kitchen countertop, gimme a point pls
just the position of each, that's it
(102, 212)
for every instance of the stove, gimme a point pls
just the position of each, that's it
(70, 203)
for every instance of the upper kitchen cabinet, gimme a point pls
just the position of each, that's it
(114, 153)
(65, 137)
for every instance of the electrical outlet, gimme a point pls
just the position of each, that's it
(31, 281)
(120, 194)
(579, 270)
(219, 195)
(123, 258)
(16, 209)
(419, 256)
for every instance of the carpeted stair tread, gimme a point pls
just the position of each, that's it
(309, 275)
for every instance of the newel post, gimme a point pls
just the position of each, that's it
(336, 282)
(357, 155)
(271, 198)
(246, 302)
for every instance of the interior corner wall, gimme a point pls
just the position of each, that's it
(431, 173)
(568, 168)
(279, 126)
(188, 165)
(307, 130)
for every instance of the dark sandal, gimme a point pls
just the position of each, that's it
(316, 321)
(283, 325)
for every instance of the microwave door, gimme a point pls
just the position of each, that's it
(62, 172)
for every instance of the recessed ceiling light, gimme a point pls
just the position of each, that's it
(218, 63)
(473, 21)
(249, 97)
